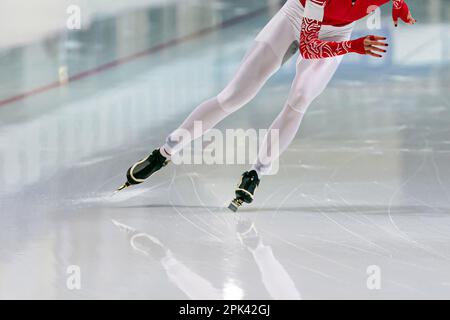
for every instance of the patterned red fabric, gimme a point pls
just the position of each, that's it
(311, 47)
(400, 10)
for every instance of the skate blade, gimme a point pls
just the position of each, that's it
(124, 186)
(234, 205)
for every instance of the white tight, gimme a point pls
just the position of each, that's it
(259, 64)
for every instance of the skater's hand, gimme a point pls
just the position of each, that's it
(374, 46)
(400, 10)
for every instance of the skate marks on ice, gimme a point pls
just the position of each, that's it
(392, 196)
(363, 210)
(175, 190)
(368, 222)
(105, 194)
(110, 197)
(274, 277)
(215, 232)
(401, 233)
(187, 194)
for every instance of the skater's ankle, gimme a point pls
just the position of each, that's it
(163, 151)
(258, 173)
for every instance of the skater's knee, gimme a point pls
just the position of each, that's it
(292, 111)
(300, 102)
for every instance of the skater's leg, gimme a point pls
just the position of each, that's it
(312, 77)
(260, 62)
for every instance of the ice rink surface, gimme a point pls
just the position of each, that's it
(363, 191)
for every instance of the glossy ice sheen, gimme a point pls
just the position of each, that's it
(366, 182)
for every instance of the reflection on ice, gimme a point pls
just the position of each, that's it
(276, 280)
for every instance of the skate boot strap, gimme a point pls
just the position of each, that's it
(246, 188)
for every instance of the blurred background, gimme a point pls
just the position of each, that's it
(366, 182)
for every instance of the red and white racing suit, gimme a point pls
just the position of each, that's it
(323, 29)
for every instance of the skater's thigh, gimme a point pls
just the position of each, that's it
(311, 78)
(313, 75)
(278, 34)
(262, 60)
(268, 50)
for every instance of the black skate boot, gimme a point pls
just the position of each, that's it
(143, 169)
(245, 190)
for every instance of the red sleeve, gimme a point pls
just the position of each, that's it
(311, 47)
